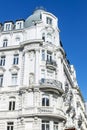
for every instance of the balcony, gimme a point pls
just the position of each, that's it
(44, 111)
(51, 64)
(51, 84)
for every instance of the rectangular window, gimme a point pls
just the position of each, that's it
(49, 56)
(1, 80)
(5, 42)
(45, 125)
(49, 21)
(8, 27)
(10, 126)
(11, 105)
(2, 60)
(55, 126)
(14, 79)
(43, 54)
(16, 59)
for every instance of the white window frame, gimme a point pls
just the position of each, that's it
(14, 78)
(1, 80)
(45, 125)
(16, 59)
(12, 105)
(45, 100)
(55, 126)
(10, 125)
(2, 60)
(5, 42)
(49, 20)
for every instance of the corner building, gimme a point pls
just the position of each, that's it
(38, 86)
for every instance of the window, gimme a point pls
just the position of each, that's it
(5, 43)
(55, 126)
(1, 80)
(8, 27)
(49, 21)
(14, 79)
(49, 38)
(43, 36)
(2, 60)
(17, 39)
(45, 100)
(45, 125)
(16, 59)
(11, 105)
(43, 54)
(19, 25)
(10, 126)
(49, 56)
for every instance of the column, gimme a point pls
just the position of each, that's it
(37, 67)
(26, 69)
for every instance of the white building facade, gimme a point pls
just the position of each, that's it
(38, 87)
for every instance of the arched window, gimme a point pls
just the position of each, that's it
(12, 103)
(45, 100)
(5, 42)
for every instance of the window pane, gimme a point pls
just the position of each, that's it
(8, 128)
(47, 102)
(13, 105)
(14, 79)
(43, 126)
(10, 105)
(43, 101)
(47, 126)
(1, 80)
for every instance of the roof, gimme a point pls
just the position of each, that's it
(36, 16)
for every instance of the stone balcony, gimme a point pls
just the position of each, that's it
(51, 84)
(34, 111)
(44, 111)
(51, 64)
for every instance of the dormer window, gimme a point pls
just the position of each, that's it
(19, 24)
(8, 26)
(49, 20)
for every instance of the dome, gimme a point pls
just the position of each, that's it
(36, 16)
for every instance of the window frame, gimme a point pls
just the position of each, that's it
(2, 60)
(1, 80)
(14, 78)
(5, 42)
(45, 101)
(10, 125)
(16, 59)
(45, 125)
(49, 20)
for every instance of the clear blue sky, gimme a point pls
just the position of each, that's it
(72, 19)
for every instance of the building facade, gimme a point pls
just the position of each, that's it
(38, 86)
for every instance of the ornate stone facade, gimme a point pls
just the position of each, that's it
(38, 86)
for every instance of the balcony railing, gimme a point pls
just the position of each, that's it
(51, 84)
(31, 111)
(51, 63)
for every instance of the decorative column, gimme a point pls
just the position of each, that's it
(26, 69)
(37, 67)
(60, 73)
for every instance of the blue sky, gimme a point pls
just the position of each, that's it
(72, 20)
